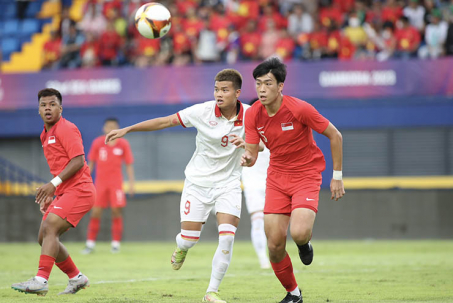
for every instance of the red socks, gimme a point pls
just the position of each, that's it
(117, 229)
(93, 228)
(68, 267)
(45, 266)
(284, 272)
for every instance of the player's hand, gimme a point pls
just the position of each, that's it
(337, 189)
(238, 141)
(44, 205)
(247, 159)
(47, 190)
(115, 134)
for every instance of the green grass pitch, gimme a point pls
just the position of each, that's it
(342, 271)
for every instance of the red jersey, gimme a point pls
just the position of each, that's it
(109, 159)
(61, 144)
(288, 135)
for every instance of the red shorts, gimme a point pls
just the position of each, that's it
(110, 196)
(286, 192)
(73, 204)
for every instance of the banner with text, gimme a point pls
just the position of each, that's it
(192, 84)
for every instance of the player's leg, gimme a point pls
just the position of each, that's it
(102, 199)
(51, 229)
(93, 229)
(193, 214)
(254, 199)
(228, 211)
(117, 228)
(305, 189)
(277, 211)
(117, 203)
(302, 221)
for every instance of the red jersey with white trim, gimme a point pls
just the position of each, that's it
(288, 135)
(61, 144)
(109, 160)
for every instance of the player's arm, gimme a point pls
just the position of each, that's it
(336, 146)
(250, 155)
(48, 190)
(145, 126)
(91, 166)
(131, 177)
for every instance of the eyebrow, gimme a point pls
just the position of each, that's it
(222, 87)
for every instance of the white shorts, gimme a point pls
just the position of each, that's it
(254, 199)
(197, 201)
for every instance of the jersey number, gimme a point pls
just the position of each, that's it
(187, 208)
(224, 141)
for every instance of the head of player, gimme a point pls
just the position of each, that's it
(227, 89)
(50, 106)
(269, 79)
(110, 124)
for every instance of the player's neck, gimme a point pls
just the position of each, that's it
(273, 107)
(48, 126)
(229, 113)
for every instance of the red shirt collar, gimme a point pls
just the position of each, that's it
(53, 127)
(240, 115)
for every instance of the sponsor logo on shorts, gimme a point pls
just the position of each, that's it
(308, 199)
(57, 207)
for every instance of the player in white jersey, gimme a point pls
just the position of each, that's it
(254, 182)
(212, 175)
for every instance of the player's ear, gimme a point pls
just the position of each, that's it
(280, 87)
(238, 93)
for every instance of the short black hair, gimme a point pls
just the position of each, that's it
(232, 75)
(112, 119)
(48, 92)
(272, 65)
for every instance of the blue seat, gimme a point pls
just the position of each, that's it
(29, 27)
(10, 27)
(32, 9)
(9, 45)
(10, 10)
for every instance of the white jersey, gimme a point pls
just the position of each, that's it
(255, 177)
(216, 161)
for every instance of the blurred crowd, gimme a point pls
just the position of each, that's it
(228, 31)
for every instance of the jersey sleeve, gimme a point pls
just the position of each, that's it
(251, 134)
(71, 140)
(128, 156)
(188, 117)
(308, 115)
(94, 151)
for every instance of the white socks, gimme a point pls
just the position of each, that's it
(40, 279)
(90, 244)
(295, 292)
(187, 238)
(222, 256)
(259, 239)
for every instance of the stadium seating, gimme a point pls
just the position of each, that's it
(9, 45)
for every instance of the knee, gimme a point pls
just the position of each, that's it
(47, 230)
(301, 236)
(226, 240)
(275, 247)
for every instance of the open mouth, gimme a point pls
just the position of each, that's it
(48, 116)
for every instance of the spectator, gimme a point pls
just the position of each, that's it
(299, 21)
(435, 37)
(146, 52)
(270, 14)
(65, 23)
(52, 51)
(182, 46)
(285, 45)
(192, 24)
(355, 32)
(387, 42)
(408, 39)
(331, 14)
(375, 13)
(89, 52)
(70, 50)
(250, 41)
(269, 40)
(333, 41)
(416, 13)
(391, 11)
(110, 46)
(207, 50)
(449, 40)
(318, 42)
(93, 21)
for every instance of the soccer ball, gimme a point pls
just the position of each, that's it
(153, 20)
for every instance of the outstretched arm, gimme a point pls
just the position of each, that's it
(145, 126)
(336, 146)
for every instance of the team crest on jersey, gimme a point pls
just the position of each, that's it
(117, 151)
(287, 126)
(51, 140)
(213, 123)
(238, 123)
